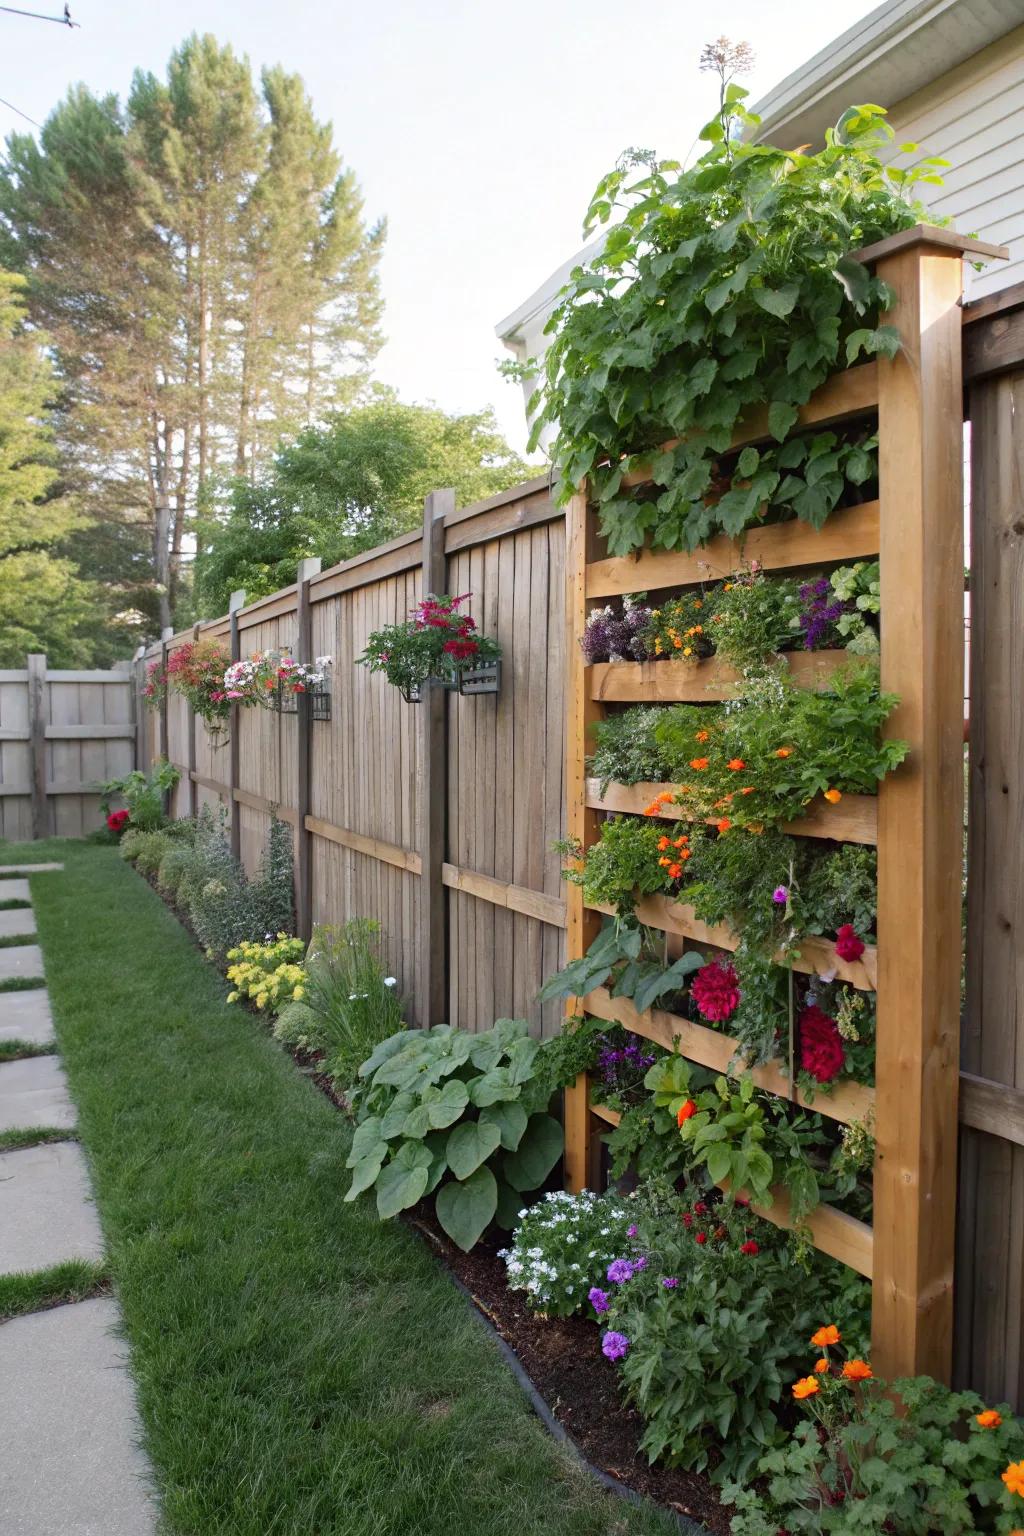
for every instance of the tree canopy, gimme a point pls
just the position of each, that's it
(345, 487)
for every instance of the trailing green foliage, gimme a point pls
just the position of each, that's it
(457, 1115)
(718, 289)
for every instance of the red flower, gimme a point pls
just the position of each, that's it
(821, 1045)
(749, 1247)
(700, 1209)
(715, 991)
(687, 1220)
(685, 1111)
(701, 1238)
(116, 820)
(460, 649)
(848, 946)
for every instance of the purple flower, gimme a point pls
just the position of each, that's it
(632, 1230)
(614, 1346)
(598, 1299)
(780, 895)
(670, 1282)
(619, 1271)
(640, 1263)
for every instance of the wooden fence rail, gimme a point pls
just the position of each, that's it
(440, 821)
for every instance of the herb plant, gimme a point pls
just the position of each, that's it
(458, 1116)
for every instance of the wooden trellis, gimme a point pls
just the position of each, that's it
(916, 529)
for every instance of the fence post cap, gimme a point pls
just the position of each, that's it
(310, 566)
(236, 600)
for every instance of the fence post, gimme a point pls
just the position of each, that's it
(165, 728)
(432, 1001)
(139, 706)
(920, 809)
(235, 602)
(191, 759)
(304, 743)
(37, 742)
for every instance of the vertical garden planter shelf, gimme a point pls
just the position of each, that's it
(916, 529)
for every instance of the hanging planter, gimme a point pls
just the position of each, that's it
(436, 646)
(273, 680)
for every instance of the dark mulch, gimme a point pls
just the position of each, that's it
(563, 1359)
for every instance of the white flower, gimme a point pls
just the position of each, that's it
(390, 981)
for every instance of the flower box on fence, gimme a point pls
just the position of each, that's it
(485, 679)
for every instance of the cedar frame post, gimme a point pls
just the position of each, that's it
(303, 727)
(236, 603)
(432, 1000)
(36, 663)
(920, 808)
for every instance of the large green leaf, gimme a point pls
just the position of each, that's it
(395, 1115)
(538, 1152)
(386, 1049)
(404, 1180)
(494, 1087)
(368, 1136)
(364, 1174)
(511, 1121)
(485, 1050)
(510, 1203)
(465, 1210)
(471, 1144)
(521, 1055)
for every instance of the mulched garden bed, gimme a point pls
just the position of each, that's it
(561, 1356)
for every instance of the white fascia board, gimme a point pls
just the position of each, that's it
(540, 304)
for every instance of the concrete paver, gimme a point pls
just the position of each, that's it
(46, 1209)
(21, 960)
(27, 869)
(17, 920)
(69, 1428)
(26, 1016)
(34, 1092)
(15, 890)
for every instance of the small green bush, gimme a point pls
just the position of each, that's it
(145, 849)
(298, 1025)
(174, 867)
(143, 794)
(355, 1004)
(562, 1247)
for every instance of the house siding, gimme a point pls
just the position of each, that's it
(974, 118)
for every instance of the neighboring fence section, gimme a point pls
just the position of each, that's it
(496, 770)
(62, 733)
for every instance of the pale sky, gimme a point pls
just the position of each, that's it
(478, 129)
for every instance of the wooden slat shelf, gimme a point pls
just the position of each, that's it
(853, 820)
(842, 1237)
(710, 1048)
(816, 955)
(841, 398)
(852, 533)
(700, 682)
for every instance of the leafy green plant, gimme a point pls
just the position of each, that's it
(715, 1322)
(627, 750)
(458, 1116)
(174, 866)
(623, 865)
(349, 1004)
(143, 794)
(923, 1461)
(841, 888)
(755, 616)
(858, 585)
(717, 289)
(145, 850)
(629, 959)
(562, 1247)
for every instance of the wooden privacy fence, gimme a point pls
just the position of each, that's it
(439, 820)
(61, 734)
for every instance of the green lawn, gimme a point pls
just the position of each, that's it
(301, 1368)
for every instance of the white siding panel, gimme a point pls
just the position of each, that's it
(974, 118)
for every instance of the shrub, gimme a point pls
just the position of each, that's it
(457, 1115)
(270, 895)
(145, 849)
(707, 1359)
(269, 975)
(627, 750)
(354, 1004)
(174, 867)
(562, 1247)
(225, 907)
(298, 1025)
(942, 1462)
(143, 794)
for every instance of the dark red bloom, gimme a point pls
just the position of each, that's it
(749, 1248)
(687, 1219)
(848, 945)
(821, 1045)
(116, 820)
(460, 649)
(715, 991)
(701, 1238)
(700, 1209)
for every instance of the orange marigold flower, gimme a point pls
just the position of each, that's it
(825, 1336)
(821, 1365)
(664, 862)
(663, 843)
(677, 642)
(857, 1370)
(748, 789)
(686, 854)
(699, 603)
(807, 1386)
(1013, 1477)
(663, 796)
(702, 736)
(685, 1111)
(727, 586)
(784, 752)
(833, 796)
(990, 1419)
(652, 809)
(724, 824)
(675, 870)
(681, 842)
(736, 765)
(699, 763)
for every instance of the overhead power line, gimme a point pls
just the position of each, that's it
(12, 108)
(62, 21)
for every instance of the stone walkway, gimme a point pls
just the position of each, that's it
(69, 1428)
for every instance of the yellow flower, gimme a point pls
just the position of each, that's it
(299, 992)
(232, 997)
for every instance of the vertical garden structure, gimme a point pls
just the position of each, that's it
(915, 528)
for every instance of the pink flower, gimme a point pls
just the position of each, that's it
(848, 945)
(715, 991)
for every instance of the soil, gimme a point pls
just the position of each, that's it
(561, 1356)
